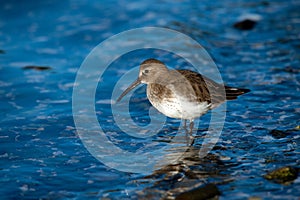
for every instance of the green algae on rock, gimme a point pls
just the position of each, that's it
(283, 174)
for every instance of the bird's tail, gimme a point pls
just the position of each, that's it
(233, 93)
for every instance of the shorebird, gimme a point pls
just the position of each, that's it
(181, 94)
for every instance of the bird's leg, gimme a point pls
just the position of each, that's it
(189, 133)
(184, 124)
(191, 126)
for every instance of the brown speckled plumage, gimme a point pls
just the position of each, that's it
(159, 91)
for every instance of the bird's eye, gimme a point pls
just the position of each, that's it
(145, 72)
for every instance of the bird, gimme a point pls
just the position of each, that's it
(181, 94)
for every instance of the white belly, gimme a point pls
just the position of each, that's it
(181, 109)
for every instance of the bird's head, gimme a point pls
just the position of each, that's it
(151, 71)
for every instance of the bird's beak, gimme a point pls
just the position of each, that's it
(131, 87)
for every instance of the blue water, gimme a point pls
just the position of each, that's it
(41, 155)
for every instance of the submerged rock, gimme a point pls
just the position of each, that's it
(282, 134)
(39, 68)
(2, 51)
(288, 69)
(283, 174)
(279, 134)
(203, 192)
(246, 24)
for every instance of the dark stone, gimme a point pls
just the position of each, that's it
(265, 3)
(2, 51)
(278, 133)
(203, 192)
(246, 24)
(283, 174)
(219, 148)
(290, 69)
(39, 68)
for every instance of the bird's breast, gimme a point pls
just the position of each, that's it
(174, 106)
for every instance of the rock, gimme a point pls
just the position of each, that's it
(283, 174)
(278, 133)
(246, 24)
(2, 51)
(265, 3)
(39, 68)
(203, 192)
(282, 134)
(288, 69)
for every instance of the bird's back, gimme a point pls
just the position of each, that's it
(205, 89)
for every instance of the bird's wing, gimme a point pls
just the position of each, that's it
(204, 89)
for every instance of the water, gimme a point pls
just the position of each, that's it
(41, 154)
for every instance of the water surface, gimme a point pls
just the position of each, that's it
(41, 155)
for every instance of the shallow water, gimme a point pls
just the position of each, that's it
(41, 154)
